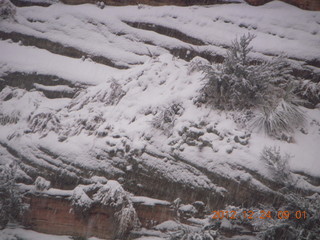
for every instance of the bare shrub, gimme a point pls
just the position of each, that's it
(277, 163)
(165, 118)
(44, 123)
(111, 96)
(7, 10)
(88, 123)
(13, 118)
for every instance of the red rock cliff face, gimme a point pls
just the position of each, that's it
(55, 215)
(304, 4)
(148, 2)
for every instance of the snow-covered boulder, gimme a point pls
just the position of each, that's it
(80, 199)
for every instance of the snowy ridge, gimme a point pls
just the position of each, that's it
(135, 113)
(146, 121)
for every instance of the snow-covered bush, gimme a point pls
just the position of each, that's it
(166, 116)
(44, 122)
(42, 184)
(310, 90)
(80, 200)
(282, 118)
(89, 123)
(277, 164)
(187, 210)
(13, 118)
(305, 228)
(127, 219)
(239, 83)
(197, 64)
(7, 10)
(108, 96)
(112, 194)
(10, 198)
(194, 233)
(100, 4)
(7, 114)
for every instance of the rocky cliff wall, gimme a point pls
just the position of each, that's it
(148, 2)
(304, 4)
(56, 215)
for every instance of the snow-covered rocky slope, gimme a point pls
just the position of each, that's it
(114, 93)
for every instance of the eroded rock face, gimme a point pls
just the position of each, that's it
(304, 4)
(148, 2)
(56, 215)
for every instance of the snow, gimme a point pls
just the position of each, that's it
(33, 60)
(149, 238)
(111, 194)
(50, 192)
(226, 224)
(188, 208)
(273, 23)
(153, 87)
(146, 117)
(16, 233)
(58, 88)
(279, 27)
(148, 201)
(168, 225)
(80, 198)
(42, 184)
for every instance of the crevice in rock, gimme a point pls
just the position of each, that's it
(22, 3)
(170, 32)
(27, 80)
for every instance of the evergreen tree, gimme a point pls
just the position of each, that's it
(268, 86)
(10, 199)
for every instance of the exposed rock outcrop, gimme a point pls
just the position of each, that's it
(304, 4)
(56, 215)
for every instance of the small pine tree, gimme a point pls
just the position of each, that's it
(236, 83)
(10, 198)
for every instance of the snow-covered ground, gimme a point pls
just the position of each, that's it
(14, 232)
